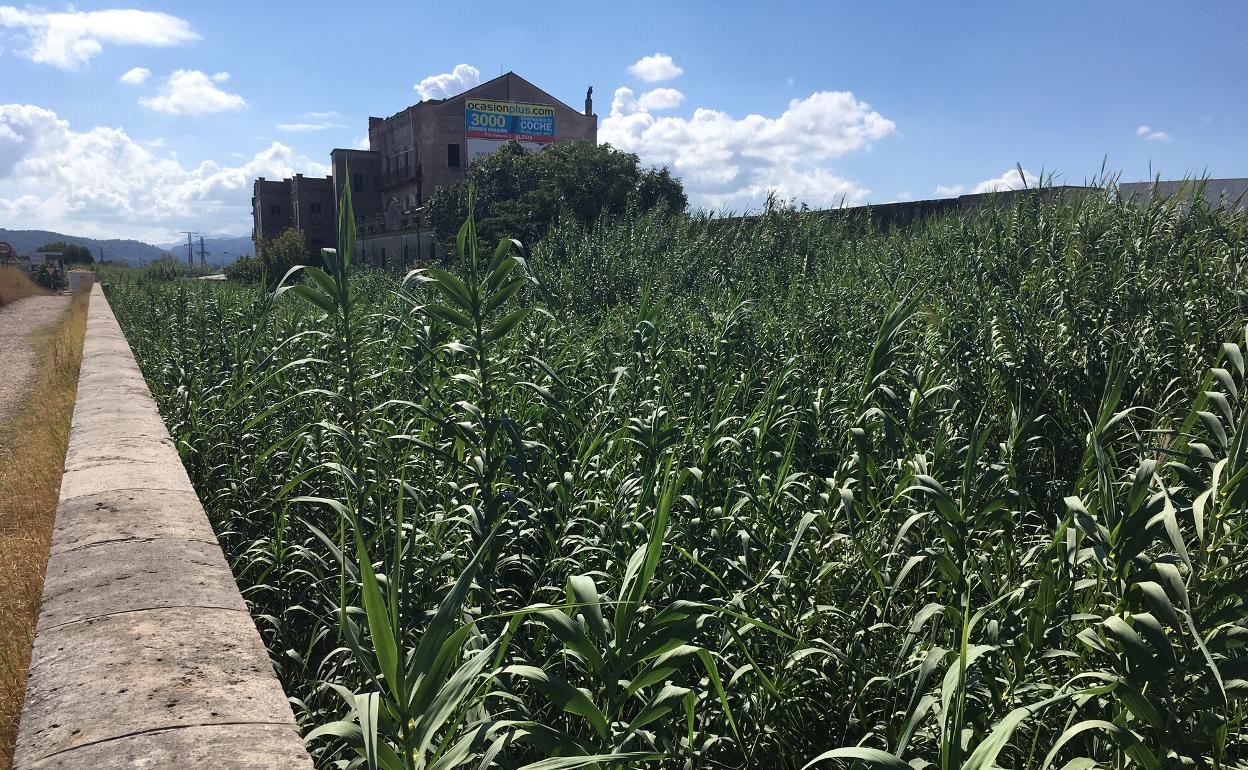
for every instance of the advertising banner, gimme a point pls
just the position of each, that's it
(505, 121)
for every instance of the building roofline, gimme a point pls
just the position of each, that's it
(491, 81)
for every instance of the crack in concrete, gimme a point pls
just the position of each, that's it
(114, 540)
(151, 730)
(143, 609)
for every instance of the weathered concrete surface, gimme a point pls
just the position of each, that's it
(145, 655)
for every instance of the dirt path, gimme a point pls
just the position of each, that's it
(17, 355)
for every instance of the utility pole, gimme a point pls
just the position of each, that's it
(190, 249)
(202, 261)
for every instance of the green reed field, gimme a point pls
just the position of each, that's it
(678, 493)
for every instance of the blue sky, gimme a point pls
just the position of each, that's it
(866, 102)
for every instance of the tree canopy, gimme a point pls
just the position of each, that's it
(521, 193)
(283, 252)
(71, 252)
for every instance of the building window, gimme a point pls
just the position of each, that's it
(452, 155)
(316, 208)
(275, 210)
(357, 182)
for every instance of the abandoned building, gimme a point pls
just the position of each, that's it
(410, 154)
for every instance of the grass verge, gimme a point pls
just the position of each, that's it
(14, 285)
(30, 482)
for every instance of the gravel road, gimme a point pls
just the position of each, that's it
(17, 355)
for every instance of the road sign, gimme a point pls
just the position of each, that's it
(5, 249)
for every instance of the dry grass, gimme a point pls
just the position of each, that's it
(14, 284)
(30, 482)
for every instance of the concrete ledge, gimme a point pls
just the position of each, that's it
(145, 655)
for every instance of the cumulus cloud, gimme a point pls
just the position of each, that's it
(100, 182)
(69, 39)
(654, 68)
(732, 162)
(191, 92)
(660, 99)
(448, 84)
(1013, 179)
(1149, 135)
(135, 77)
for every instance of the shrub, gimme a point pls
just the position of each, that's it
(246, 269)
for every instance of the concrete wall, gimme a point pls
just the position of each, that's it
(145, 655)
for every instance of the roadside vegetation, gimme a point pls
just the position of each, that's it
(32, 454)
(15, 284)
(768, 493)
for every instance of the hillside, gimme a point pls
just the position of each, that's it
(220, 250)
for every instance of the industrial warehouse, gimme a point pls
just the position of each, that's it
(411, 154)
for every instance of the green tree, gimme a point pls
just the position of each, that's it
(72, 253)
(520, 194)
(283, 252)
(245, 269)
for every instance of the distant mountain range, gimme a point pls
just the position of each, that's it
(218, 249)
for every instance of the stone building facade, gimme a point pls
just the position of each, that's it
(411, 154)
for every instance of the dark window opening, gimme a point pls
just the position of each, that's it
(452, 155)
(316, 208)
(275, 210)
(357, 182)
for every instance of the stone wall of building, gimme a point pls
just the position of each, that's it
(270, 208)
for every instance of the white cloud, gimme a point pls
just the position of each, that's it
(361, 143)
(726, 161)
(1149, 135)
(1014, 179)
(654, 68)
(1010, 180)
(100, 182)
(136, 76)
(660, 99)
(448, 84)
(191, 92)
(68, 40)
(301, 128)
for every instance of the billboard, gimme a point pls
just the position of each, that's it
(490, 123)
